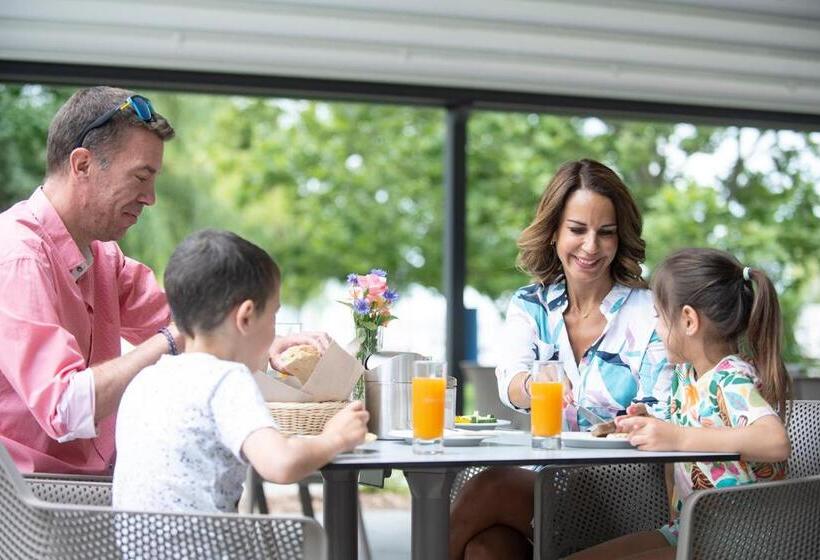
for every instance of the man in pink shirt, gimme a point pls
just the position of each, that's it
(67, 293)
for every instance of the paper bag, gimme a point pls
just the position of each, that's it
(332, 380)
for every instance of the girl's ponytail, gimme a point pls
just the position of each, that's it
(764, 337)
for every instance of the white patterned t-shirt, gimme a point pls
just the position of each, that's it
(180, 429)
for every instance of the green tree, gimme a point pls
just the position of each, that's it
(331, 188)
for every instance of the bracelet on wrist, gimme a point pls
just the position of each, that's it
(527, 382)
(172, 345)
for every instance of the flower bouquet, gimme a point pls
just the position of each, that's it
(370, 300)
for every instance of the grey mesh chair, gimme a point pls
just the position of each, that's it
(803, 425)
(71, 489)
(31, 528)
(754, 521)
(772, 520)
(584, 506)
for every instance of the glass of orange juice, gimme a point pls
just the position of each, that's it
(547, 389)
(429, 384)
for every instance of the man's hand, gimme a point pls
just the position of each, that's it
(347, 428)
(319, 340)
(650, 434)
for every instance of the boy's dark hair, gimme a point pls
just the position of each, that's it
(213, 271)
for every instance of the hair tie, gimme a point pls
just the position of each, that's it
(747, 273)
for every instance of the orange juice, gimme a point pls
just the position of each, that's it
(428, 407)
(547, 400)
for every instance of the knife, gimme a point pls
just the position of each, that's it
(589, 416)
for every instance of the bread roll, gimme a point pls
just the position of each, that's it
(300, 361)
(604, 429)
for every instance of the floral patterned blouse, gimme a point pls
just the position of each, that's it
(726, 396)
(627, 361)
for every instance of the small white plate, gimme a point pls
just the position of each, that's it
(452, 438)
(586, 439)
(499, 423)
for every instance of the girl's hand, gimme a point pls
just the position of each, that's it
(637, 410)
(650, 434)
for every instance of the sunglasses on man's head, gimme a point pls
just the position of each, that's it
(139, 104)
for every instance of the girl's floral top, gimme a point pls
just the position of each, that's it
(725, 396)
(627, 361)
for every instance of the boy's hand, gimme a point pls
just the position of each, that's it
(321, 341)
(650, 434)
(348, 427)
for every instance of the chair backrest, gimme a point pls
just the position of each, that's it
(803, 425)
(485, 389)
(461, 479)
(32, 529)
(584, 506)
(753, 521)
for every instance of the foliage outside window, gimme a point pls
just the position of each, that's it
(332, 187)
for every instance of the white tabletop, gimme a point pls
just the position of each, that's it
(507, 448)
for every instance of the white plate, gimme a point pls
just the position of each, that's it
(500, 422)
(586, 439)
(452, 438)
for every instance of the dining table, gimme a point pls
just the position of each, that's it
(430, 477)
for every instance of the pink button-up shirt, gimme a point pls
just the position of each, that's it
(61, 313)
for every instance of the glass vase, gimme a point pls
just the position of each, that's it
(370, 342)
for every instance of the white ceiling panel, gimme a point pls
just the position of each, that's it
(746, 54)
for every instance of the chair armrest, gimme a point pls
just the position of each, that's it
(73, 491)
(762, 520)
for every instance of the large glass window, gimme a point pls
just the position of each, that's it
(753, 192)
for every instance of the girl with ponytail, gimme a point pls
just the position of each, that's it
(720, 322)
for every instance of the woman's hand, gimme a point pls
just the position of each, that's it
(650, 434)
(568, 398)
(321, 341)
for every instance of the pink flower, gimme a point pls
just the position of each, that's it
(374, 284)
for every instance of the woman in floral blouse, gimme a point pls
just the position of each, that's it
(590, 308)
(707, 303)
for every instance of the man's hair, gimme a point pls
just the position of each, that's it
(210, 273)
(82, 109)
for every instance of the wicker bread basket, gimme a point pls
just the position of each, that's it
(306, 419)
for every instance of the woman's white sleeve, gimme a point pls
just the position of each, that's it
(516, 349)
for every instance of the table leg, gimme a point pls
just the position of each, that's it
(341, 513)
(430, 489)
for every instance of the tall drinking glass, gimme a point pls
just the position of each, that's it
(429, 385)
(547, 389)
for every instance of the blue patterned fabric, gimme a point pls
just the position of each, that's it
(627, 361)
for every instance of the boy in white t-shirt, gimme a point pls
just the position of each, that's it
(188, 425)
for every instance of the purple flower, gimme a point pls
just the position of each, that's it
(391, 296)
(352, 279)
(361, 306)
(378, 272)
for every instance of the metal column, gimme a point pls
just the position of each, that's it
(455, 239)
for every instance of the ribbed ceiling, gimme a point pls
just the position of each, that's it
(751, 54)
